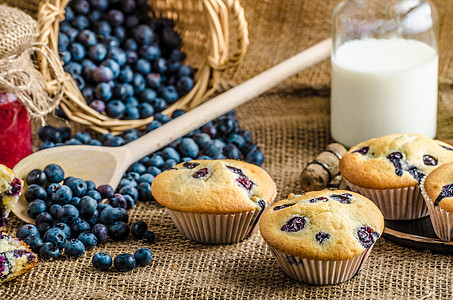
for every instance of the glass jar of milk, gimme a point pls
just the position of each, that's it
(384, 69)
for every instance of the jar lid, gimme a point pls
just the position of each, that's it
(18, 31)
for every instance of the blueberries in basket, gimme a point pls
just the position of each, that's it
(103, 91)
(98, 105)
(115, 109)
(102, 261)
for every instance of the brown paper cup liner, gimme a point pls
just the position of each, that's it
(396, 204)
(216, 228)
(441, 219)
(320, 272)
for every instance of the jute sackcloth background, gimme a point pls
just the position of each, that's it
(291, 125)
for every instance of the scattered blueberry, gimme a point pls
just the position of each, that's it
(102, 261)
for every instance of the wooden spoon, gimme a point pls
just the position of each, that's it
(106, 165)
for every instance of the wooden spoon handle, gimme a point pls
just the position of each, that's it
(225, 102)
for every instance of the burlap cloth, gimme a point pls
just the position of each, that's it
(291, 125)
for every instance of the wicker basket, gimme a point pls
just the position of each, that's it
(204, 26)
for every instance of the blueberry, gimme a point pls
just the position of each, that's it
(160, 65)
(88, 206)
(139, 82)
(26, 231)
(177, 113)
(113, 66)
(153, 125)
(102, 74)
(68, 14)
(88, 239)
(105, 190)
(102, 28)
(255, 157)
(146, 177)
(209, 129)
(74, 248)
(363, 150)
(115, 142)
(137, 168)
(144, 191)
(54, 209)
(97, 52)
(170, 39)
(142, 66)
(143, 256)
(110, 215)
(71, 32)
(129, 6)
(154, 170)
(95, 195)
(159, 104)
(99, 4)
(138, 229)
(55, 236)
(63, 42)
(49, 250)
(34, 192)
(144, 34)
(227, 126)
(126, 74)
(231, 152)
(104, 91)
(67, 213)
(119, 231)
(52, 189)
(64, 227)
(177, 55)
(124, 263)
(44, 217)
(184, 85)
(88, 94)
(95, 15)
(156, 160)
(130, 44)
(54, 173)
(149, 237)
(118, 200)
(87, 38)
(129, 201)
(77, 52)
(35, 242)
(79, 225)
(321, 236)
(118, 55)
(75, 201)
(294, 224)
(396, 158)
(153, 80)
(115, 109)
(77, 185)
(162, 118)
(80, 23)
(130, 135)
(150, 52)
(171, 153)
(184, 71)
(188, 147)
(115, 17)
(81, 7)
(63, 195)
(84, 138)
(106, 137)
(237, 140)
(65, 57)
(284, 206)
(110, 41)
(43, 227)
(133, 176)
(124, 216)
(169, 163)
(101, 232)
(131, 113)
(36, 207)
(99, 106)
(79, 81)
(101, 261)
(367, 236)
(131, 57)
(429, 160)
(124, 91)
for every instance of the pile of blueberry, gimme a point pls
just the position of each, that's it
(126, 64)
(73, 215)
(123, 262)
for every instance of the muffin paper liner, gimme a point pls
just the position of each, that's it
(441, 219)
(320, 272)
(216, 228)
(396, 204)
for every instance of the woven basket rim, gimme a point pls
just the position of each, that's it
(218, 14)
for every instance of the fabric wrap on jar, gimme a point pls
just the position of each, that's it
(20, 55)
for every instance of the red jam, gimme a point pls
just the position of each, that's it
(15, 130)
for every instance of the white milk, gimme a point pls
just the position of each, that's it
(383, 86)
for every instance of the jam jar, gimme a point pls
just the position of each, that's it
(15, 130)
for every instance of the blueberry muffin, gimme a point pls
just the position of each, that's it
(214, 201)
(10, 188)
(437, 190)
(322, 237)
(16, 258)
(388, 170)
